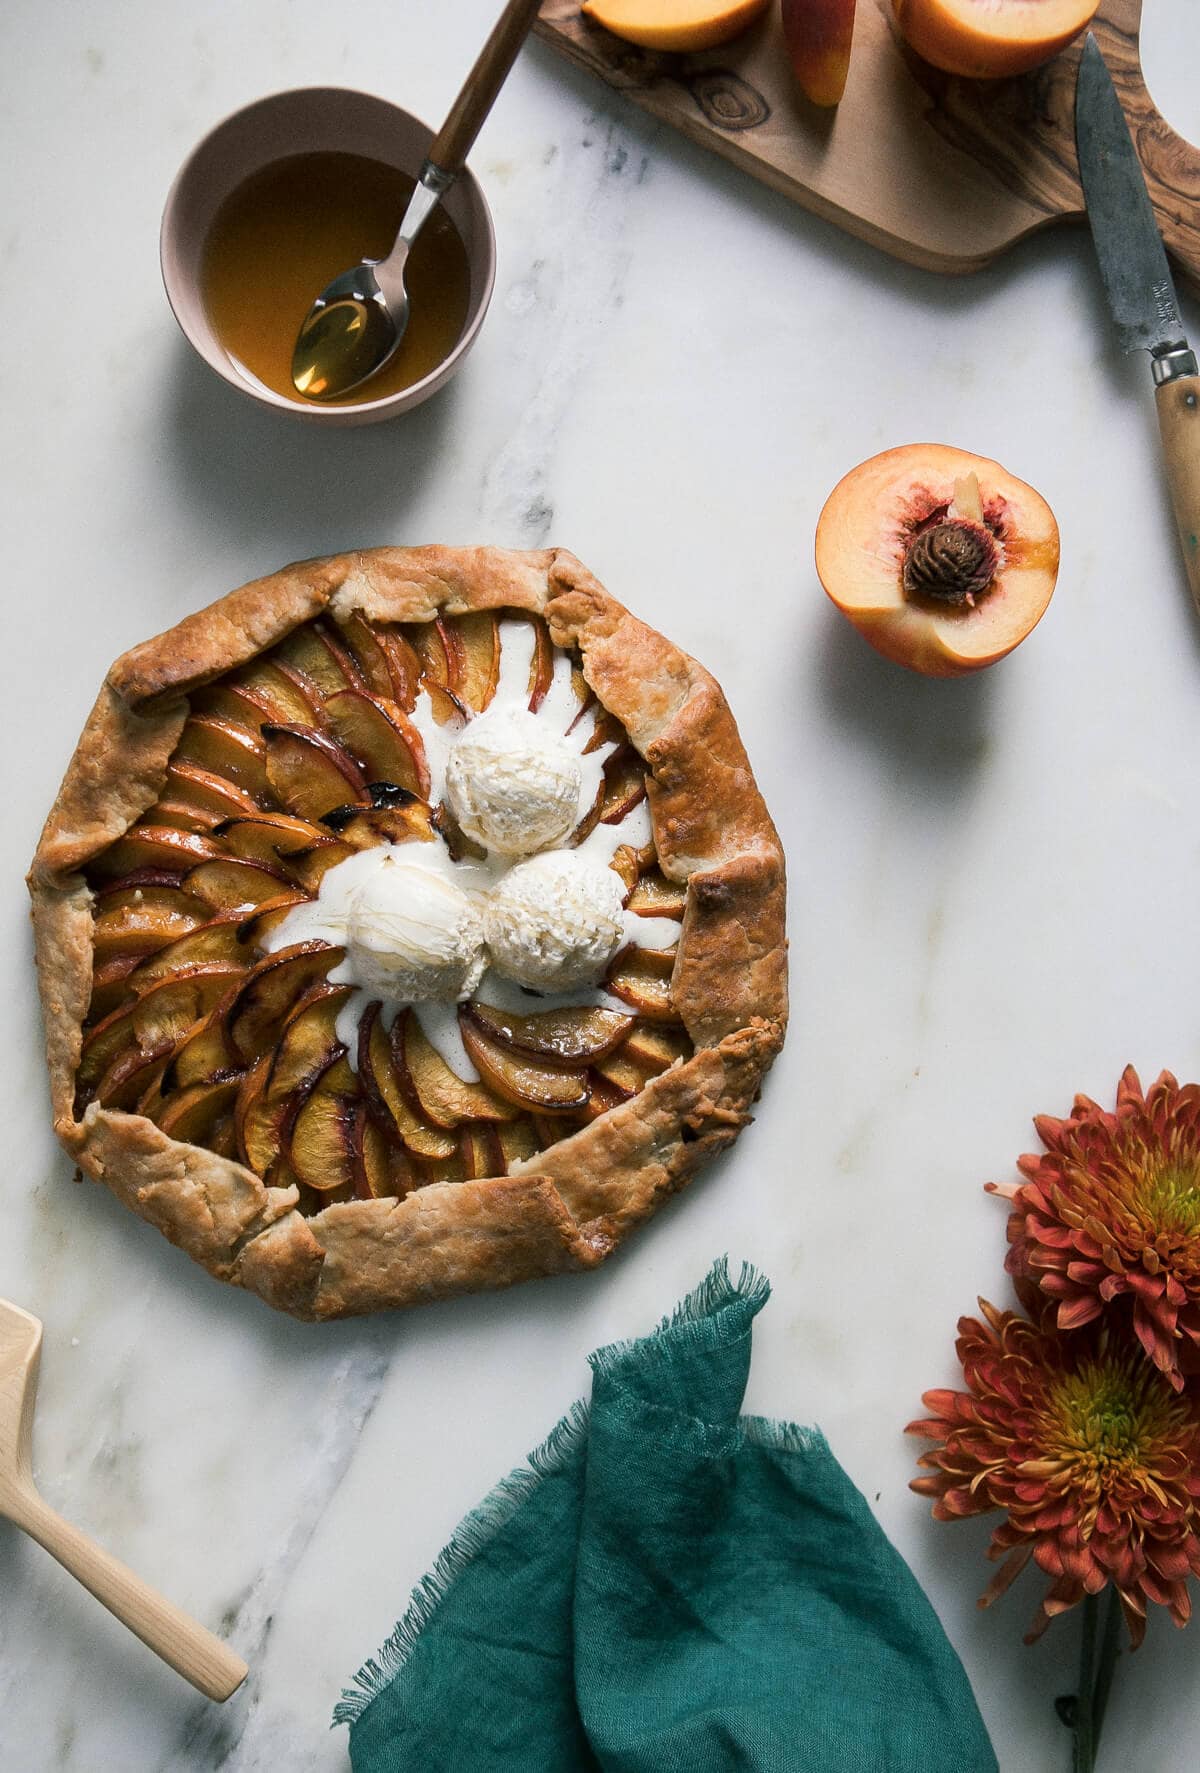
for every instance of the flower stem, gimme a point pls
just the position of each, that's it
(1084, 1757)
(1106, 1666)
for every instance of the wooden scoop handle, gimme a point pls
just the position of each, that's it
(193, 1652)
(1178, 404)
(456, 137)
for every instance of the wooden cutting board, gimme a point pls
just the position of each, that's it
(941, 172)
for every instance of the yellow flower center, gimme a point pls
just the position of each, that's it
(1171, 1197)
(1110, 1421)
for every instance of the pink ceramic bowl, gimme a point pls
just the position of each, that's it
(312, 120)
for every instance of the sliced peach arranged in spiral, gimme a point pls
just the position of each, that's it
(941, 559)
(990, 39)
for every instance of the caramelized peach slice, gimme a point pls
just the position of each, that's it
(366, 829)
(528, 1083)
(162, 1015)
(217, 942)
(133, 1077)
(225, 749)
(271, 991)
(141, 920)
(479, 633)
(321, 658)
(641, 977)
(364, 647)
(259, 1123)
(541, 670)
(684, 25)
(570, 1036)
(387, 1100)
(310, 773)
(481, 1152)
(994, 41)
(309, 1042)
(266, 837)
(203, 1056)
(189, 785)
(942, 560)
(624, 785)
(381, 739)
(656, 896)
(234, 883)
(311, 867)
(288, 695)
(110, 985)
(153, 846)
(194, 1115)
(518, 1143)
(443, 1098)
(403, 665)
(320, 1143)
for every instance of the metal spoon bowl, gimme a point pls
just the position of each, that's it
(358, 321)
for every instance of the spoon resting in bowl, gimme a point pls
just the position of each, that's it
(193, 1652)
(357, 322)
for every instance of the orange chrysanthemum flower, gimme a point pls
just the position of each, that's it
(1093, 1455)
(1111, 1211)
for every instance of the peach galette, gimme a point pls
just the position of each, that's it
(407, 923)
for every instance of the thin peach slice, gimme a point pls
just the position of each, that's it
(266, 837)
(442, 1096)
(366, 829)
(133, 1077)
(203, 1056)
(321, 658)
(259, 1123)
(684, 25)
(363, 645)
(310, 773)
(481, 1152)
(190, 784)
(479, 633)
(319, 1144)
(518, 1143)
(164, 1014)
(271, 991)
(571, 1036)
(217, 942)
(235, 883)
(381, 739)
(528, 1083)
(141, 920)
(388, 1100)
(224, 749)
(941, 559)
(403, 665)
(309, 1042)
(287, 694)
(656, 896)
(313, 865)
(110, 986)
(641, 977)
(990, 39)
(153, 846)
(192, 1117)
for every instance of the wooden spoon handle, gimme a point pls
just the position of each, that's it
(193, 1652)
(1178, 404)
(455, 138)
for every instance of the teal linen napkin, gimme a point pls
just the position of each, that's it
(670, 1587)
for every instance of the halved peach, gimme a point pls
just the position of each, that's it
(682, 25)
(990, 39)
(941, 559)
(310, 773)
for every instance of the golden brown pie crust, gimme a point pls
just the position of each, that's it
(566, 1208)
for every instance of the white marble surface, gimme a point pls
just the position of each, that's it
(993, 883)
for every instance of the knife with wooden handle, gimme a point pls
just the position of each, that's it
(1137, 281)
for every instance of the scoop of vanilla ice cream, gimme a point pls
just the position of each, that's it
(553, 923)
(414, 935)
(512, 784)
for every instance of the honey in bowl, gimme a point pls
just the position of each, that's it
(289, 230)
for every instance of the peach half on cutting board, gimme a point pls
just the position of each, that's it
(941, 559)
(683, 25)
(990, 39)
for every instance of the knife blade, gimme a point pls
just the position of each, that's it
(1137, 281)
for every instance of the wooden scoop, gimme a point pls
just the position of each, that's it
(198, 1656)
